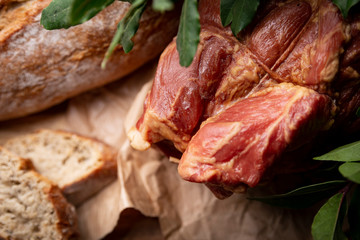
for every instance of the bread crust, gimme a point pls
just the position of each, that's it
(42, 68)
(66, 225)
(66, 213)
(91, 181)
(89, 184)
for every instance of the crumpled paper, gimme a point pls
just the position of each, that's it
(148, 181)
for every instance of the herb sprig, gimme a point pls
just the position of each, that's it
(328, 222)
(68, 13)
(236, 13)
(337, 208)
(126, 29)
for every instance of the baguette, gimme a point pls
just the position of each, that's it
(79, 165)
(31, 207)
(41, 68)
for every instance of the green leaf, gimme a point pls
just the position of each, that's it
(126, 29)
(346, 153)
(327, 223)
(351, 171)
(188, 36)
(226, 11)
(237, 12)
(303, 197)
(345, 5)
(56, 15)
(83, 10)
(131, 24)
(358, 112)
(243, 12)
(354, 214)
(162, 5)
(67, 13)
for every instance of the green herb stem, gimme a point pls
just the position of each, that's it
(126, 29)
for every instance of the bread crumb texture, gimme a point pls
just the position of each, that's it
(30, 206)
(79, 165)
(60, 156)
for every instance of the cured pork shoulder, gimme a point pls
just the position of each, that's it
(245, 101)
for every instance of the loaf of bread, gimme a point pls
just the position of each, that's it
(40, 68)
(79, 165)
(31, 207)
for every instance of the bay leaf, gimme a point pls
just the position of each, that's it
(226, 11)
(347, 153)
(83, 10)
(345, 5)
(351, 171)
(56, 15)
(162, 5)
(304, 196)
(354, 214)
(243, 12)
(327, 223)
(188, 36)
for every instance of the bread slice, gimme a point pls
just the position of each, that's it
(79, 165)
(31, 207)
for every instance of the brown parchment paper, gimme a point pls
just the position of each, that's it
(148, 181)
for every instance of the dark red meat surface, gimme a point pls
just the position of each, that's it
(244, 102)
